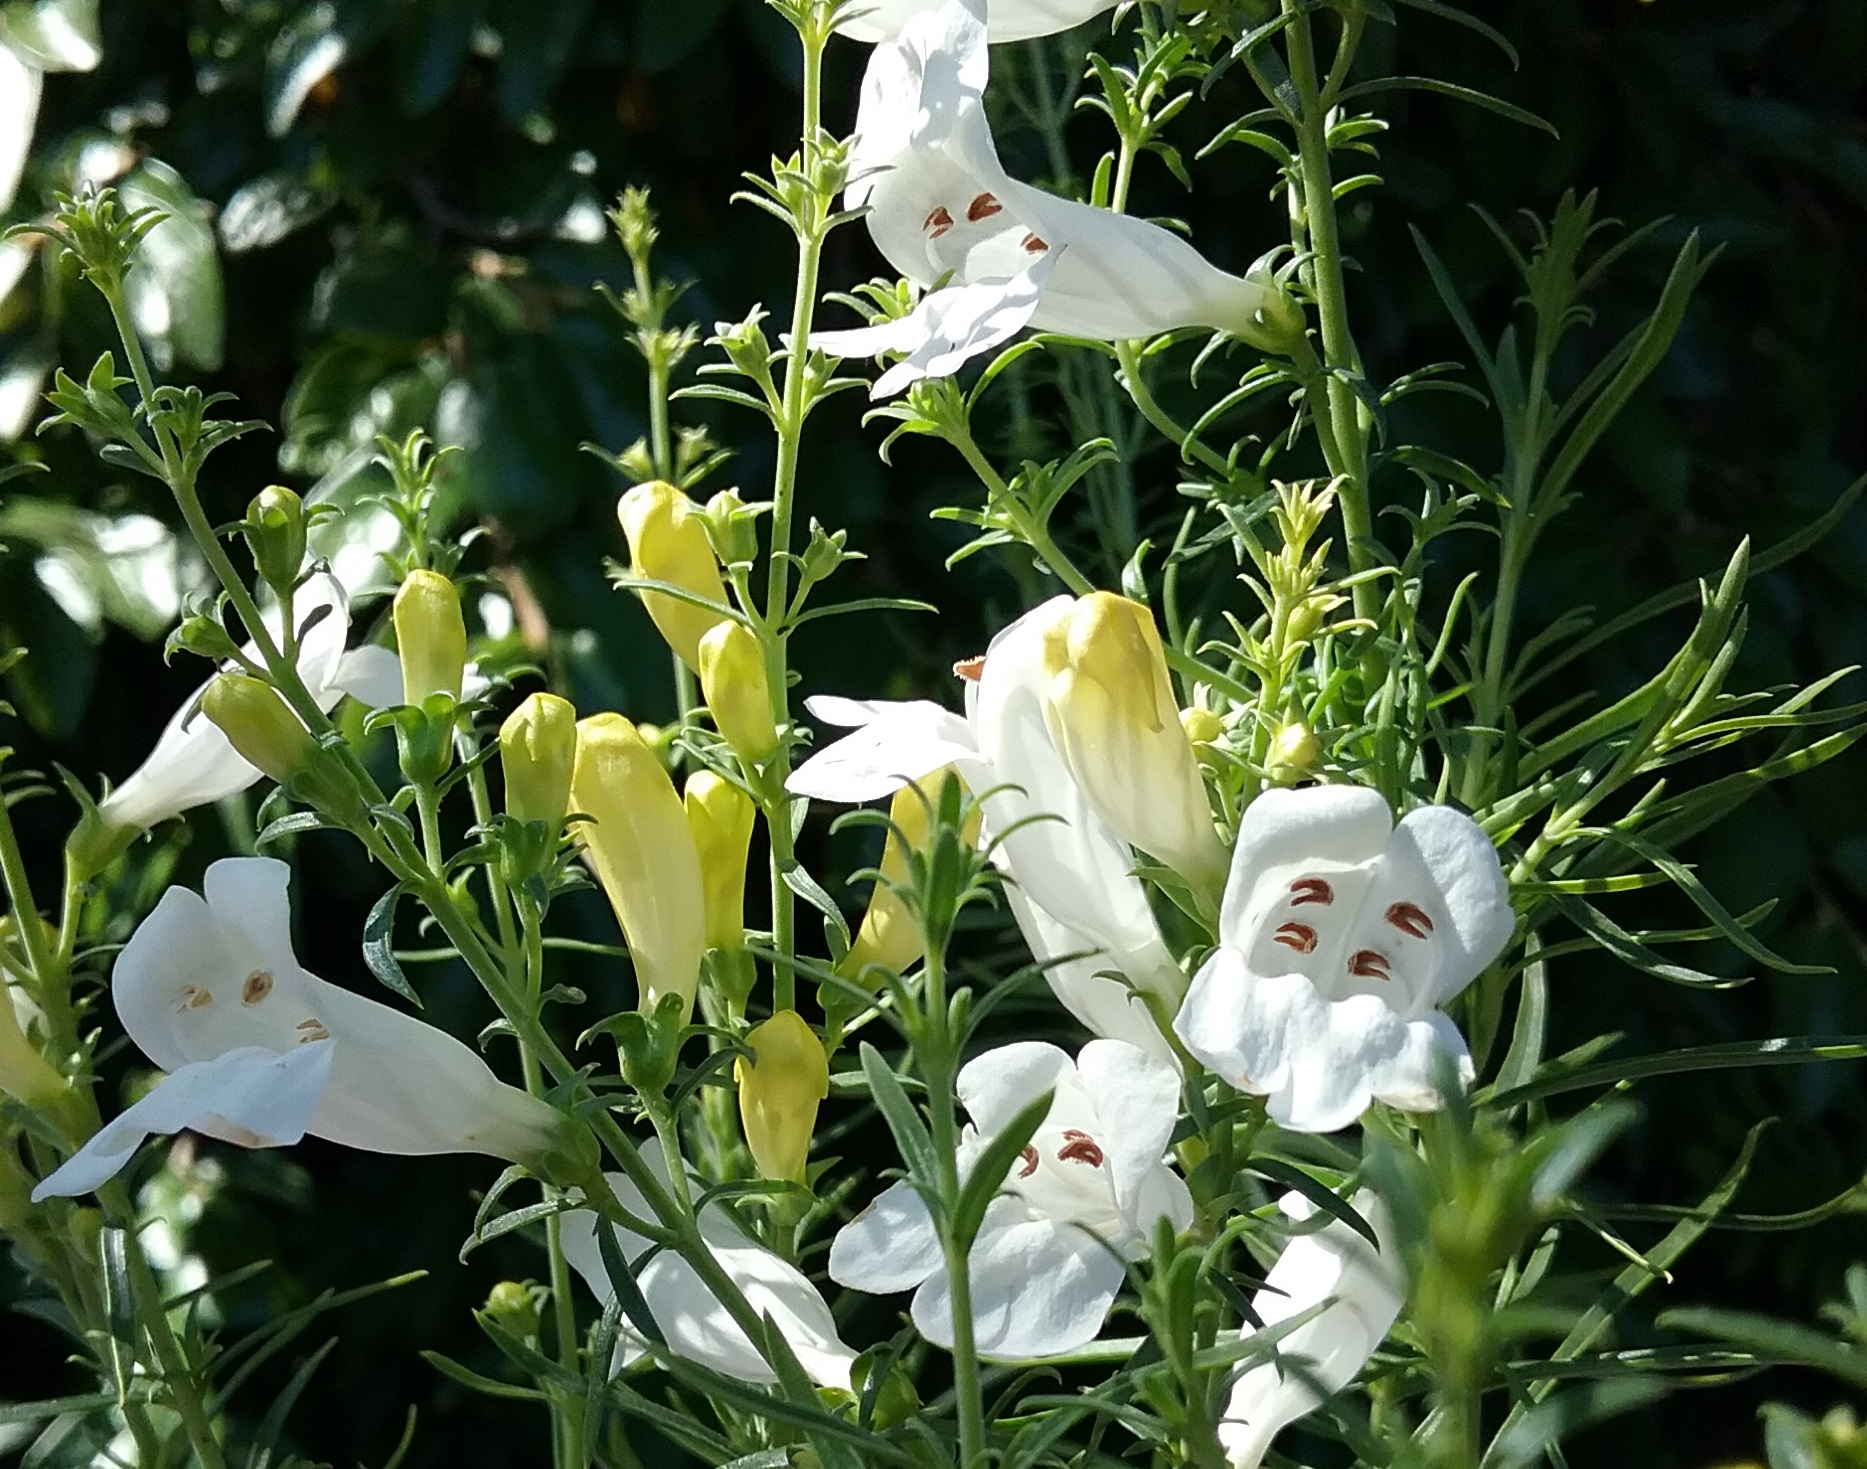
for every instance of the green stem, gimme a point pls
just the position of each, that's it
(1347, 416)
(1034, 535)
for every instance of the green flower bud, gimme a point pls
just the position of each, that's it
(732, 676)
(1293, 754)
(260, 725)
(275, 534)
(430, 635)
(514, 1308)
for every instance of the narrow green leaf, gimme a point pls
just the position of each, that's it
(379, 945)
(898, 1112)
(993, 1165)
(1454, 91)
(1794, 1050)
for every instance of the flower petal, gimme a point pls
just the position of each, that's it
(1331, 824)
(1319, 1062)
(1038, 1287)
(1365, 1290)
(251, 896)
(372, 675)
(179, 953)
(893, 743)
(1464, 863)
(1137, 1097)
(1010, 20)
(996, 1084)
(193, 764)
(1105, 1005)
(890, 1246)
(252, 1096)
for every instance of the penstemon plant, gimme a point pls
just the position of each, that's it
(1283, 814)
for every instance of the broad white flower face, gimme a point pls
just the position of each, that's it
(1007, 20)
(1341, 935)
(943, 209)
(1085, 1196)
(1072, 885)
(1360, 1290)
(193, 763)
(261, 1051)
(692, 1320)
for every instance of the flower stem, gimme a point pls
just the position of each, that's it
(1028, 528)
(1346, 416)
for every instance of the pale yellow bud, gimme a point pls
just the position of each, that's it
(1110, 710)
(1202, 726)
(430, 636)
(636, 837)
(779, 1093)
(1293, 754)
(537, 750)
(720, 816)
(889, 936)
(260, 725)
(732, 677)
(668, 542)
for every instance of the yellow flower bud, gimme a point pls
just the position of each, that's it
(1202, 726)
(668, 542)
(1293, 754)
(25, 1074)
(889, 936)
(779, 1093)
(430, 635)
(1110, 709)
(637, 839)
(732, 677)
(260, 725)
(720, 816)
(537, 748)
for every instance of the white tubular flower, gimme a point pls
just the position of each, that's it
(996, 255)
(1049, 1259)
(194, 765)
(1072, 888)
(1360, 1291)
(692, 1320)
(260, 1051)
(1007, 20)
(1340, 937)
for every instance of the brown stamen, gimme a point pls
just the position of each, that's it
(970, 669)
(1298, 936)
(311, 1029)
(1029, 1157)
(258, 985)
(1369, 964)
(1036, 244)
(1410, 919)
(1079, 1147)
(937, 223)
(984, 206)
(1310, 890)
(194, 997)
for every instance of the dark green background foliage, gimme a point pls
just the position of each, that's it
(392, 257)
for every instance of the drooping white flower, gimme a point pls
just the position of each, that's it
(692, 1320)
(1340, 937)
(993, 254)
(1085, 1196)
(260, 1051)
(1073, 890)
(193, 764)
(1007, 20)
(1360, 1291)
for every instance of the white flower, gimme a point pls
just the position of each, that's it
(943, 209)
(1085, 1197)
(1340, 937)
(193, 764)
(1073, 890)
(691, 1318)
(1008, 20)
(261, 1051)
(1360, 1292)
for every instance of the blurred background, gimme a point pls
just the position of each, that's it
(388, 214)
